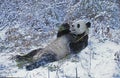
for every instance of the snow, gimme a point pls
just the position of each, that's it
(2, 33)
(104, 64)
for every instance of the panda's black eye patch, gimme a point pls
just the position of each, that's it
(78, 25)
(72, 25)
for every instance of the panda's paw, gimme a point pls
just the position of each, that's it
(45, 59)
(35, 65)
(18, 57)
(29, 67)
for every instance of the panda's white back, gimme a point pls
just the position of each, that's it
(60, 47)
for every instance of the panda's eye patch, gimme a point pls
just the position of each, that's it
(72, 25)
(78, 25)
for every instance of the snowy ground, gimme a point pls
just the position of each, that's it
(96, 61)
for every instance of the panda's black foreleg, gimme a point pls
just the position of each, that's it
(77, 47)
(45, 59)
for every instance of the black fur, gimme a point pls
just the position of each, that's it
(77, 46)
(65, 31)
(88, 24)
(61, 33)
(27, 56)
(45, 59)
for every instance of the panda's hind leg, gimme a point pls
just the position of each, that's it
(28, 56)
(26, 59)
(45, 59)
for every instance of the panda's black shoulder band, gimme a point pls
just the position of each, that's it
(61, 33)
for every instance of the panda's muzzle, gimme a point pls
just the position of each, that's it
(72, 29)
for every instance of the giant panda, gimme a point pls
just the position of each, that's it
(59, 48)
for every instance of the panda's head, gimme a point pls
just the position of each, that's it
(80, 27)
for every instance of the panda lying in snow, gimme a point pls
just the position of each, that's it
(70, 39)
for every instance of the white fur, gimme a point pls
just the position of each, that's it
(83, 28)
(60, 47)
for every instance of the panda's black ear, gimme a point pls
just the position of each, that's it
(88, 24)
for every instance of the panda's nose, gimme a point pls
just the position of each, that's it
(72, 29)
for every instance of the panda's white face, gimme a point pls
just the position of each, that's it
(79, 27)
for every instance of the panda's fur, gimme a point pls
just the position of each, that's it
(80, 29)
(63, 29)
(58, 49)
(52, 52)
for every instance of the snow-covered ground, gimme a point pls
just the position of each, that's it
(96, 61)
